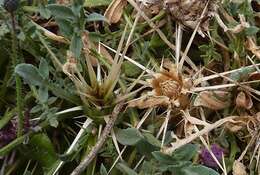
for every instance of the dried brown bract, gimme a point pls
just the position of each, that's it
(253, 47)
(215, 100)
(188, 12)
(244, 100)
(115, 10)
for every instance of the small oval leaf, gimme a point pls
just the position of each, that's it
(129, 136)
(30, 74)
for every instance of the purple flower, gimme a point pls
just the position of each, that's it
(7, 134)
(207, 159)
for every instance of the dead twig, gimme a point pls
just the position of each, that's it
(93, 153)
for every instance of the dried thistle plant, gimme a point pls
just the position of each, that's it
(99, 91)
(169, 88)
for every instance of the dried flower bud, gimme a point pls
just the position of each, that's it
(167, 83)
(70, 67)
(11, 5)
(244, 100)
(239, 168)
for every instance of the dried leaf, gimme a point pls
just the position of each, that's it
(244, 100)
(188, 129)
(251, 46)
(254, 76)
(115, 10)
(240, 122)
(215, 100)
(239, 168)
(149, 101)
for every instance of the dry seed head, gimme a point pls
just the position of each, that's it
(188, 12)
(167, 83)
(170, 84)
(169, 89)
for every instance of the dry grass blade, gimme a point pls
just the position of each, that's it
(184, 56)
(179, 143)
(161, 34)
(50, 34)
(75, 141)
(130, 60)
(216, 75)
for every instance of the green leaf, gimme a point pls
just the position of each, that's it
(131, 70)
(163, 158)
(44, 68)
(64, 94)
(148, 168)
(43, 94)
(252, 30)
(103, 170)
(151, 139)
(198, 170)
(40, 148)
(145, 148)
(7, 148)
(76, 45)
(66, 157)
(129, 136)
(65, 26)
(96, 17)
(125, 169)
(175, 168)
(30, 74)
(61, 11)
(6, 118)
(53, 122)
(44, 12)
(94, 3)
(186, 152)
(35, 109)
(242, 73)
(3, 29)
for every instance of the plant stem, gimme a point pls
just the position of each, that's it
(87, 160)
(18, 81)
(12, 145)
(6, 118)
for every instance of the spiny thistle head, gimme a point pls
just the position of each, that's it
(167, 83)
(169, 88)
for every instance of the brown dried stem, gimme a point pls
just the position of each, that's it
(87, 160)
